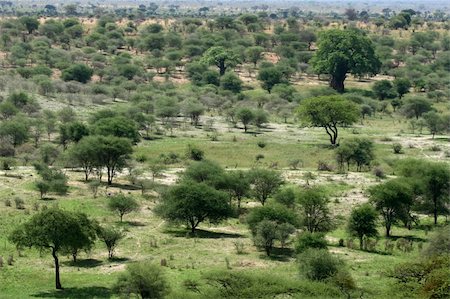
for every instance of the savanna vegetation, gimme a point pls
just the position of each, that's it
(164, 151)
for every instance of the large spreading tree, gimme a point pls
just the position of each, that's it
(55, 230)
(344, 51)
(329, 112)
(193, 203)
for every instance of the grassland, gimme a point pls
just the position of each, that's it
(149, 237)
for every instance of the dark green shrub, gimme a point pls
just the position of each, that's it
(318, 264)
(308, 240)
(144, 279)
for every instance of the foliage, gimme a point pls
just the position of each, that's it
(329, 112)
(111, 237)
(55, 230)
(344, 51)
(122, 204)
(392, 200)
(78, 72)
(272, 212)
(315, 213)
(265, 182)
(355, 150)
(193, 203)
(144, 279)
(318, 264)
(310, 240)
(363, 222)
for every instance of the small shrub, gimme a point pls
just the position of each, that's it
(295, 164)
(379, 173)
(324, 166)
(341, 242)
(318, 264)
(20, 204)
(386, 139)
(10, 260)
(195, 153)
(1, 261)
(397, 147)
(435, 148)
(261, 144)
(141, 158)
(144, 279)
(239, 246)
(259, 157)
(7, 202)
(36, 206)
(310, 240)
(214, 137)
(191, 285)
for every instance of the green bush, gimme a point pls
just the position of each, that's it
(143, 279)
(262, 284)
(310, 240)
(318, 264)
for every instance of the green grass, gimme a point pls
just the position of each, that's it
(31, 276)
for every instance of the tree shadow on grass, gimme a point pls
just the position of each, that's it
(48, 198)
(119, 259)
(279, 254)
(125, 186)
(203, 234)
(87, 263)
(77, 293)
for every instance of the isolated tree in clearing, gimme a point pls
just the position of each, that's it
(53, 229)
(329, 112)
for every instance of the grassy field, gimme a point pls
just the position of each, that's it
(149, 237)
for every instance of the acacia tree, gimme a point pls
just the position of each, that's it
(122, 204)
(220, 57)
(265, 182)
(246, 116)
(432, 181)
(315, 211)
(53, 229)
(329, 112)
(193, 203)
(344, 51)
(363, 222)
(391, 199)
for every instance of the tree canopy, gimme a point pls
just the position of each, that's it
(329, 112)
(344, 51)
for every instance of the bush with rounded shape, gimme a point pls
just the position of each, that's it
(272, 212)
(144, 279)
(230, 81)
(318, 264)
(78, 72)
(310, 240)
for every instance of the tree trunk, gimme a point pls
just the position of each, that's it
(361, 242)
(435, 211)
(222, 68)
(388, 230)
(337, 83)
(57, 279)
